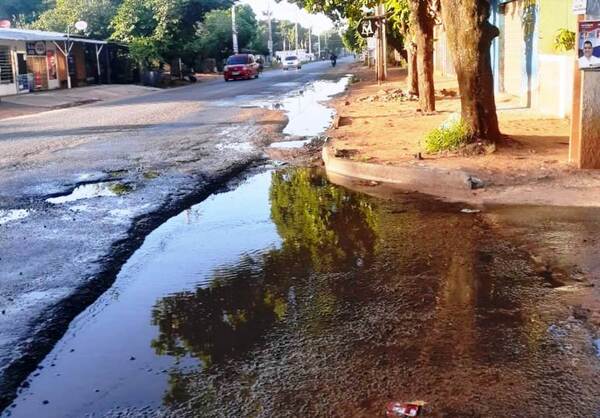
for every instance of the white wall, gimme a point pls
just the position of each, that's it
(553, 94)
(10, 89)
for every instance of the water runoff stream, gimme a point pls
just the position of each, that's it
(290, 296)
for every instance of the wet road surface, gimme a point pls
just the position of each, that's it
(287, 295)
(290, 296)
(81, 187)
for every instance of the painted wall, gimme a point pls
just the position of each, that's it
(10, 88)
(554, 15)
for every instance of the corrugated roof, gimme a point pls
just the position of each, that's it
(30, 35)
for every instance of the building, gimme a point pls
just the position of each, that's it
(32, 60)
(524, 61)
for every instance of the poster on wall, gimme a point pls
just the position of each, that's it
(36, 48)
(51, 59)
(592, 8)
(589, 44)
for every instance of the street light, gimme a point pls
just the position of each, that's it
(80, 25)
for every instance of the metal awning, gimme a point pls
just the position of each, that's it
(29, 35)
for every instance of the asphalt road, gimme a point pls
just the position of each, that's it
(148, 157)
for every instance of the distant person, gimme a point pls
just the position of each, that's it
(333, 59)
(588, 59)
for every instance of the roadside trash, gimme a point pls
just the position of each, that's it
(467, 210)
(475, 183)
(404, 409)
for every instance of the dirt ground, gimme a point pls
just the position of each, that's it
(530, 166)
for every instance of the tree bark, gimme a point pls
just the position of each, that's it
(422, 24)
(470, 36)
(413, 76)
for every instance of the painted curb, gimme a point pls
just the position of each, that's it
(428, 180)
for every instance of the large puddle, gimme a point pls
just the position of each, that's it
(292, 297)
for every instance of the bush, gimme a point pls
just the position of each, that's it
(451, 135)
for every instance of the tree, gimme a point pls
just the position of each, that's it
(470, 35)
(400, 23)
(422, 23)
(97, 13)
(333, 41)
(163, 30)
(215, 36)
(352, 39)
(21, 12)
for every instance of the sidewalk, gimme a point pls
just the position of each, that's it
(379, 132)
(23, 104)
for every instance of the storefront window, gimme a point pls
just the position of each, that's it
(6, 70)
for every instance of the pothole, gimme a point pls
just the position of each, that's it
(8, 215)
(88, 191)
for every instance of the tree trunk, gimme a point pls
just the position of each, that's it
(470, 36)
(413, 77)
(422, 23)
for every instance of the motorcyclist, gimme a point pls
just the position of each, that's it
(333, 59)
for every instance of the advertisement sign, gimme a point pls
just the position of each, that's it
(579, 7)
(593, 8)
(589, 44)
(36, 48)
(51, 60)
(366, 28)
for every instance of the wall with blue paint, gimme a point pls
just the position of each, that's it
(495, 48)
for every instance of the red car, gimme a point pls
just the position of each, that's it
(241, 66)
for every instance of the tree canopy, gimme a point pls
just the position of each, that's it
(61, 18)
(21, 12)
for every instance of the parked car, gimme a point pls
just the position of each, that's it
(241, 66)
(291, 62)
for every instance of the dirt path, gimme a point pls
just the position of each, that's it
(380, 125)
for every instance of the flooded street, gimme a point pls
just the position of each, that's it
(290, 296)
(286, 294)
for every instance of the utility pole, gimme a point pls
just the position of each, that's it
(381, 55)
(309, 40)
(270, 42)
(384, 45)
(296, 34)
(319, 44)
(234, 30)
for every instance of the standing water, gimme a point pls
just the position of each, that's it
(289, 296)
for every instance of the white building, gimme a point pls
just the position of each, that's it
(37, 60)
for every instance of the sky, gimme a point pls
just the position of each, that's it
(284, 10)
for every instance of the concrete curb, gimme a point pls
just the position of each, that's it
(428, 180)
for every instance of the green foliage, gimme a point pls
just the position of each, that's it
(146, 51)
(323, 227)
(214, 33)
(400, 15)
(163, 30)
(564, 40)
(331, 225)
(133, 19)
(352, 39)
(450, 136)
(350, 12)
(97, 13)
(21, 12)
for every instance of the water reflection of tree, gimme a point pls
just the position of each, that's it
(323, 228)
(330, 226)
(439, 301)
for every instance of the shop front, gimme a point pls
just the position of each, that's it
(35, 61)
